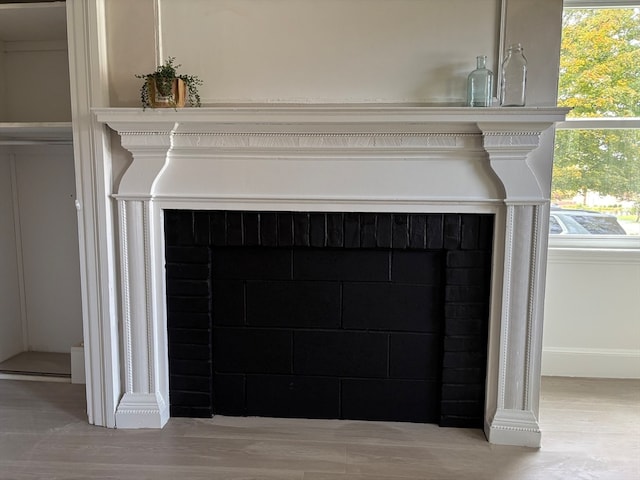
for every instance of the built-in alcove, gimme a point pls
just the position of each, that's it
(371, 316)
(40, 299)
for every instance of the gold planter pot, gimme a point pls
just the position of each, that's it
(176, 99)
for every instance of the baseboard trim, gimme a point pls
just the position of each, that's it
(588, 362)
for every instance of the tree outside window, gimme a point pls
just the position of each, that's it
(597, 152)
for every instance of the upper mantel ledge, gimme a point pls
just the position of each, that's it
(331, 117)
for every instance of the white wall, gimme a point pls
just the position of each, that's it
(48, 224)
(305, 50)
(329, 50)
(311, 51)
(42, 200)
(40, 307)
(37, 82)
(592, 314)
(131, 46)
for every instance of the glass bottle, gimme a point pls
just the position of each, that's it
(514, 78)
(480, 84)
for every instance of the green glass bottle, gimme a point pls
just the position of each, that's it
(480, 84)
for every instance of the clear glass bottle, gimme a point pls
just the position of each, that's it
(514, 78)
(480, 84)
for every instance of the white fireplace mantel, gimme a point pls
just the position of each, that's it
(396, 158)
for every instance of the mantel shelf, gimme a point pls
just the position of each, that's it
(35, 133)
(283, 116)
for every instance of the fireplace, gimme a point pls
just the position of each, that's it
(383, 159)
(372, 316)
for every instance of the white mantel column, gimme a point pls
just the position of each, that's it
(145, 403)
(517, 378)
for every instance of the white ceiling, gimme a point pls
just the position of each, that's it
(33, 22)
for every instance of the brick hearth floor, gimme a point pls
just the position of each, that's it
(591, 431)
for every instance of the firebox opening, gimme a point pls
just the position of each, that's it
(367, 316)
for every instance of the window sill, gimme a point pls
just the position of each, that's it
(595, 242)
(587, 249)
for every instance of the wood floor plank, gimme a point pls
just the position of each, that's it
(72, 471)
(155, 448)
(492, 463)
(591, 430)
(343, 431)
(356, 476)
(16, 447)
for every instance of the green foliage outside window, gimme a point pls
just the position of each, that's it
(600, 62)
(604, 161)
(599, 78)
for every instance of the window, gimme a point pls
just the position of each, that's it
(596, 175)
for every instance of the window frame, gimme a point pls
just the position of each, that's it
(599, 3)
(613, 242)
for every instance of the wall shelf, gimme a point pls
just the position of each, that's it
(35, 133)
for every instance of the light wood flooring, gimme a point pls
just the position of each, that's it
(591, 430)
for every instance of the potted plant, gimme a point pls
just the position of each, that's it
(165, 88)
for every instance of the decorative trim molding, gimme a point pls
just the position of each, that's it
(330, 135)
(148, 290)
(142, 410)
(410, 204)
(512, 134)
(126, 298)
(532, 320)
(506, 301)
(510, 426)
(97, 239)
(167, 132)
(141, 323)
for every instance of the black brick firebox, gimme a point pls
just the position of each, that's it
(371, 316)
